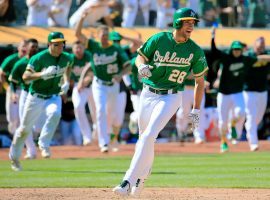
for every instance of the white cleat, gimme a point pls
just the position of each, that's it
(123, 189)
(30, 157)
(104, 149)
(86, 142)
(45, 152)
(234, 141)
(198, 141)
(15, 165)
(254, 147)
(137, 189)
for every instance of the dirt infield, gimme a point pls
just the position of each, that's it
(149, 193)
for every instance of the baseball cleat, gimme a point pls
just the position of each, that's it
(30, 157)
(198, 141)
(104, 149)
(137, 189)
(86, 142)
(254, 147)
(123, 189)
(45, 152)
(15, 165)
(224, 147)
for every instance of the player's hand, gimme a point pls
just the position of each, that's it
(14, 98)
(49, 72)
(65, 88)
(213, 32)
(145, 70)
(117, 78)
(194, 116)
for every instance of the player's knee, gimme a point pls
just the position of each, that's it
(147, 138)
(223, 126)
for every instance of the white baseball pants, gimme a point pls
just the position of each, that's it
(154, 113)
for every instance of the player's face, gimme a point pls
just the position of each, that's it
(237, 52)
(22, 49)
(187, 28)
(259, 46)
(103, 35)
(32, 48)
(78, 50)
(56, 47)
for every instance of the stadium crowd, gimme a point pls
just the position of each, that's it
(229, 85)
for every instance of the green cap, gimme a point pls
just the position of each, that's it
(56, 37)
(236, 45)
(115, 36)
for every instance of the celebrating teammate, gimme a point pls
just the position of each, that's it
(45, 71)
(164, 62)
(109, 64)
(17, 82)
(12, 108)
(255, 93)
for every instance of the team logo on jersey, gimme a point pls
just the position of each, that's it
(171, 59)
(104, 59)
(77, 70)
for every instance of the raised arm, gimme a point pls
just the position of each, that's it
(78, 30)
(214, 50)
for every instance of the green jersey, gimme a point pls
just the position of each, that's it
(78, 65)
(40, 62)
(17, 73)
(108, 61)
(9, 63)
(136, 82)
(172, 61)
(256, 78)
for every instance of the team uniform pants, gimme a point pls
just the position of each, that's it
(105, 98)
(79, 100)
(12, 111)
(119, 112)
(154, 113)
(182, 119)
(135, 99)
(233, 103)
(34, 107)
(255, 103)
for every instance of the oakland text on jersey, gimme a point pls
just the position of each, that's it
(171, 60)
(77, 70)
(103, 59)
(236, 66)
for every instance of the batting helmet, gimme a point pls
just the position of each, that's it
(115, 36)
(236, 45)
(184, 14)
(56, 37)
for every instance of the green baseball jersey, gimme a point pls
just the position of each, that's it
(78, 65)
(256, 78)
(9, 62)
(136, 82)
(40, 62)
(172, 61)
(108, 61)
(17, 73)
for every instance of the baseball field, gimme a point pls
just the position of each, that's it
(181, 171)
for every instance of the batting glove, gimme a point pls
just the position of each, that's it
(65, 88)
(48, 72)
(145, 70)
(194, 116)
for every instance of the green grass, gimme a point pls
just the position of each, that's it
(232, 170)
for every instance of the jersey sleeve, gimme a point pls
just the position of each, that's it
(34, 64)
(7, 64)
(15, 75)
(123, 57)
(148, 48)
(199, 66)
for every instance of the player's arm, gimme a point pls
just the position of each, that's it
(2, 76)
(78, 30)
(31, 2)
(86, 77)
(29, 76)
(198, 92)
(214, 50)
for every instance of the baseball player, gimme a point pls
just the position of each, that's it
(16, 80)
(230, 82)
(255, 93)
(184, 110)
(12, 108)
(82, 94)
(164, 62)
(44, 72)
(109, 64)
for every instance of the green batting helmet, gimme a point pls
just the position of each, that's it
(115, 36)
(236, 45)
(184, 14)
(56, 37)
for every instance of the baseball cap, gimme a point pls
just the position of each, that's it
(114, 36)
(236, 45)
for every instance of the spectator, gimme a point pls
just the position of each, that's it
(207, 13)
(226, 13)
(7, 13)
(96, 9)
(164, 13)
(59, 13)
(257, 17)
(131, 9)
(38, 12)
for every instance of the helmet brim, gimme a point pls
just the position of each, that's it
(57, 40)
